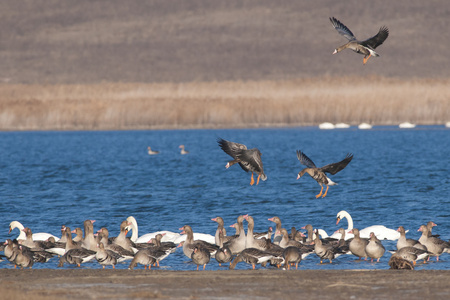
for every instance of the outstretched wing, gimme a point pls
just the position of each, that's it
(336, 167)
(231, 148)
(378, 39)
(305, 160)
(342, 29)
(253, 158)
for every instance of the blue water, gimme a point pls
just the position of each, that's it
(397, 177)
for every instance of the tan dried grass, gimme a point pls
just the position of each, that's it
(380, 101)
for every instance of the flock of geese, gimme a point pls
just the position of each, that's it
(282, 250)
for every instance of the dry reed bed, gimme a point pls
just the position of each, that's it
(224, 104)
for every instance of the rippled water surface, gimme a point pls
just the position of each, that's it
(397, 177)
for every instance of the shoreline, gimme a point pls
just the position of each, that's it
(262, 284)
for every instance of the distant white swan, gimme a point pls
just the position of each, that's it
(168, 236)
(326, 125)
(40, 236)
(381, 232)
(364, 126)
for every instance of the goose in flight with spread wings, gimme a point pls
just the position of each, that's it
(366, 47)
(248, 159)
(319, 173)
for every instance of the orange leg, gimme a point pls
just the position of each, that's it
(296, 266)
(252, 181)
(204, 266)
(366, 58)
(157, 262)
(257, 180)
(114, 267)
(197, 267)
(253, 266)
(320, 194)
(326, 191)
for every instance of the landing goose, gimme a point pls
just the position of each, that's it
(366, 47)
(318, 174)
(251, 256)
(200, 256)
(374, 249)
(40, 236)
(358, 245)
(190, 243)
(381, 232)
(248, 159)
(404, 242)
(433, 244)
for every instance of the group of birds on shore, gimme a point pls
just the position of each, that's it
(254, 248)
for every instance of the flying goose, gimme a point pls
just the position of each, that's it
(366, 47)
(318, 174)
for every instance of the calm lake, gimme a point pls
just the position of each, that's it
(397, 177)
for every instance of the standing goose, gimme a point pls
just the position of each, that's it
(24, 257)
(277, 236)
(236, 245)
(75, 255)
(292, 255)
(358, 245)
(374, 249)
(318, 174)
(433, 244)
(251, 242)
(190, 244)
(106, 257)
(223, 255)
(200, 256)
(366, 47)
(183, 151)
(285, 242)
(413, 254)
(220, 228)
(327, 251)
(404, 242)
(251, 256)
(248, 159)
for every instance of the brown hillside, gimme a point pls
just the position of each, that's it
(84, 41)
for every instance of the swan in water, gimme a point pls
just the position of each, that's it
(40, 236)
(381, 232)
(168, 236)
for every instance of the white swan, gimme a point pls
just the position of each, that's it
(381, 232)
(40, 236)
(168, 236)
